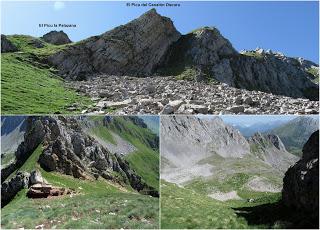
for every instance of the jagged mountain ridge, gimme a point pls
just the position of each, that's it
(67, 149)
(120, 52)
(201, 148)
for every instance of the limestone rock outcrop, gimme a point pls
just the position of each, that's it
(56, 38)
(213, 57)
(6, 45)
(301, 181)
(69, 150)
(135, 48)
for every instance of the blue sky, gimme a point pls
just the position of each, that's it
(289, 27)
(248, 120)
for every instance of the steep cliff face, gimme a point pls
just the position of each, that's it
(188, 139)
(271, 150)
(301, 182)
(213, 56)
(132, 49)
(274, 73)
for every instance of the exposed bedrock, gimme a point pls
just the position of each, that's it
(135, 48)
(213, 56)
(67, 149)
(301, 181)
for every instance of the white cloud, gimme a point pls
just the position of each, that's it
(58, 5)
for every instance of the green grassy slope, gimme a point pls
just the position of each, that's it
(185, 208)
(145, 160)
(97, 204)
(29, 86)
(103, 133)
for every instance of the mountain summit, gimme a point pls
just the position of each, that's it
(151, 45)
(135, 48)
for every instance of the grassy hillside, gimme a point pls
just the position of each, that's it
(184, 208)
(96, 204)
(29, 86)
(145, 160)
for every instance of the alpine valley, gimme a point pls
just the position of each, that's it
(79, 172)
(214, 177)
(147, 67)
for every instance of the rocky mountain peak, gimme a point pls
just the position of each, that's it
(151, 45)
(207, 138)
(268, 140)
(201, 47)
(56, 37)
(135, 48)
(271, 150)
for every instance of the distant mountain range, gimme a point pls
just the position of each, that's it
(249, 130)
(293, 133)
(296, 132)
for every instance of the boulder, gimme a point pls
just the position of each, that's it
(56, 38)
(6, 45)
(36, 178)
(301, 182)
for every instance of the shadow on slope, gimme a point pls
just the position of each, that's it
(276, 215)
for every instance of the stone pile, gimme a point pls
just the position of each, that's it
(167, 95)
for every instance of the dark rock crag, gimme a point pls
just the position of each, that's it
(56, 38)
(10, 188)
(6, 45)
(301, 183)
